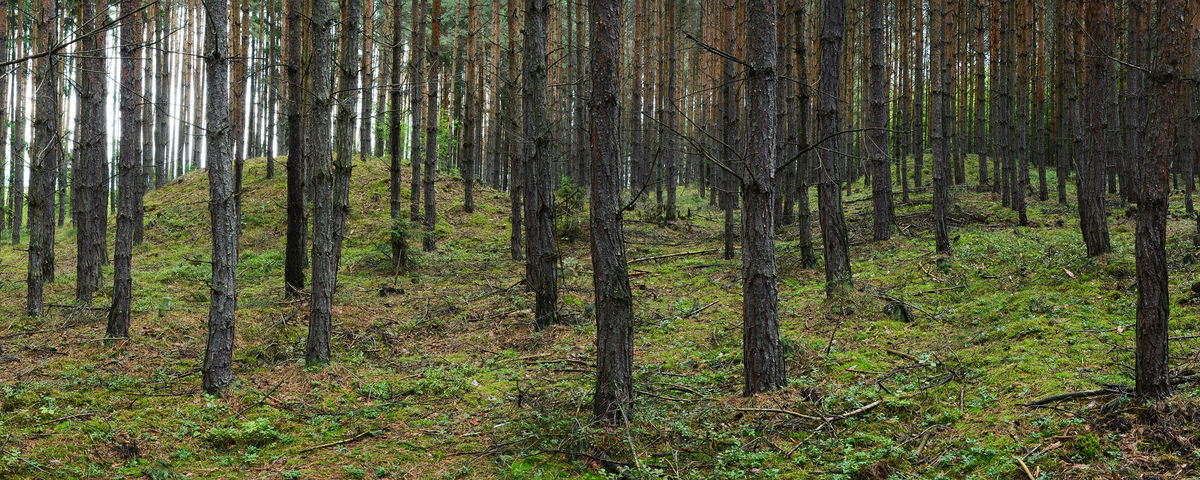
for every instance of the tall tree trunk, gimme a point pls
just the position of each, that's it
(17, 189)
(43, 160)
(762, 355)
(129, 168)
(348, 64)
(367, 70)
(4, 32)
(296, 250)
(89, 172)
(428, 241)
(218, 355)
(399, 235)
(938, 71)
(613, 399)
(324, 261)
(808, 259)
(1093, 212)
(1151, 372)
(416, 72)
(918, 125)
(162, 94)
(831, 163)
(471, 119)
(877, 148)
(670, 156)
(540, 251)
(513, 145)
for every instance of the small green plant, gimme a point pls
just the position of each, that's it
(257, 433)
(569, 219)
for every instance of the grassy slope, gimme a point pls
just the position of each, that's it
(447, 380)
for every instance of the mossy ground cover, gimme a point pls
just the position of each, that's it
(437, 372)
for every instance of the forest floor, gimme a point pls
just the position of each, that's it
(437, 372)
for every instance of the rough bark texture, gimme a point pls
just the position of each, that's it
(43, 158)
(918, 125)
(540, 250)
(162, 88)
(470, 147)
(512, 144)
(367, 70)
(762, 355)
(399, 236)
(1164, 82)
(670, 155)
(18, 142)
(937, 131)
(222, 206)
(416, 72)
(877, 147)
(90, 170)
(343, 162)
(829, 157)
(804, 166)
(1093, 212)
(296, 251)
(324, 261)
(613, 399)
(428, 241)
(128, 170)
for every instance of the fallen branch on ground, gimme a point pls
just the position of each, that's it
(1072, 396)
(339, 442)
(671, 255)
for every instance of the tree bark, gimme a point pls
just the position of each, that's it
(129, 169)
(540, 249)
(1093, 214)
(88, 176)
(324, 260)
(762, 355)
(1164, 82)
(399, 234)
(296, 250)
(877, 148)
(218, 356)
(428, 241)
(471, 118)
(416, 72)
(351, 33)
(44, 157)
(830, 160)
(513, 144)
(613, 398)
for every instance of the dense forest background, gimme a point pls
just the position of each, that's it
(520, 239)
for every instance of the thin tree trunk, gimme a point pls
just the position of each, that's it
(348, 64)
(162, 92)
(513, 145)
(399, 234)
(881, 173)
(296, 250)
(428, 241)
(471, 119)
(416, 74)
